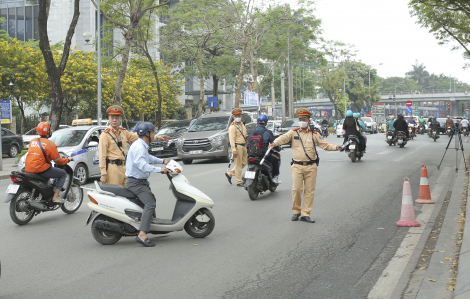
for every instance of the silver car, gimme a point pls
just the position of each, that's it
(207, 137)
(371, 125)
(81, 143)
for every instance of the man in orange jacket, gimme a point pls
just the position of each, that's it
(40, 154)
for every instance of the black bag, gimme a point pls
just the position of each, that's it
(256, 145)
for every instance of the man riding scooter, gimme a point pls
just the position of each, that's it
(422, 123)
(411, 121)
(41, 153)
(401, 125)
(268, 137)
(138, 171)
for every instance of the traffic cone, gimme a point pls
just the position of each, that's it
(407, 210)
(424, 191)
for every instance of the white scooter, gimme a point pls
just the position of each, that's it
(116, 211)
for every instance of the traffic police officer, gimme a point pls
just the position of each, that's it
(113, 148)
(237, 136)
(304, 164)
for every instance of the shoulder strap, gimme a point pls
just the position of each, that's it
(240, 132)
(43, 152)
(125, 157)
(301, 142)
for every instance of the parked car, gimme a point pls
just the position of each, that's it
(174, 129)
(12, 144)
(32, 134)
(273, 125)
(207, 137)
(81, 143)
(371, 125)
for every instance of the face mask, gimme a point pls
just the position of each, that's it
(238, 119)
(303, 124)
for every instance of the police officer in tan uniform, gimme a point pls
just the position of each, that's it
(113, 148)
(304, 164)
(237, 135)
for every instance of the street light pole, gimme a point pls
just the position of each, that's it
(99, 62)
(344, 88)
(283, 97)
(273, 98)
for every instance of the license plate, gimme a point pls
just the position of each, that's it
(389, 137)
(250, 175)
(12, 188)
(195, 152)
(400, 141)
(157, 149)
(352, 146)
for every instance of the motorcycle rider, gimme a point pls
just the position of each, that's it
(434, 124)
(41, 153)
(412, 121)
(449, 122)
(351, 127)
(390, 122)
(324, 123)
(464, 124)
(422, 122)
(138, 171)
(401, 125)
(363, 128)
(268, 137)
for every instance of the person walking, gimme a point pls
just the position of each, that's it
(237, 136)
(113, 148)
(304, 164)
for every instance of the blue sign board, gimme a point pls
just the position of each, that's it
(466, 112)
(212, 102)
(409, 110)
(5, 111)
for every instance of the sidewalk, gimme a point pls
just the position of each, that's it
(9, 165)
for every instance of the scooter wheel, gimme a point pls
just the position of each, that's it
(198, 229)
(103, 237)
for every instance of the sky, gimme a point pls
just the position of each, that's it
(384, 32)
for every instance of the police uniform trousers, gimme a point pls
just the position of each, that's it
(116, 175)
(240, 163)
(304, 178)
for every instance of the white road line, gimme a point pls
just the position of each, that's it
(383, 153)
(391, 274)
(396, 160)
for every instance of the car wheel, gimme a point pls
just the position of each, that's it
(13, 151)
(81, 172)
(187, 161)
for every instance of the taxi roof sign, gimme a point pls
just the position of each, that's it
(82, 122)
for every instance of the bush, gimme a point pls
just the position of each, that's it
(18, 157)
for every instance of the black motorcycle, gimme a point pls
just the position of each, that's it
(421, 130)
(30, 194)
(324, 131)
(259, 176)
(390, 139)
(401, 139)
(434, 134)
(465, 131)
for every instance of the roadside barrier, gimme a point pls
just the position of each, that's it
(424, 190)
(407, 218)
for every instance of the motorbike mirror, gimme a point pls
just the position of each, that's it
(92, 144)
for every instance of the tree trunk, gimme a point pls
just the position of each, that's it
(201, 83)
(129, 35)
(23, 117)
(240, 74)
(54, 73)
(215, 89)
(158, 115)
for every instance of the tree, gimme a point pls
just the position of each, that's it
(419, 74)
(447, 20)
(55, 72)
(126, 16)
(194, 27)
(332, 80)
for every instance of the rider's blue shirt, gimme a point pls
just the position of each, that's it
(138, 161)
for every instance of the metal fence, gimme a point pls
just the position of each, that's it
(424, 91)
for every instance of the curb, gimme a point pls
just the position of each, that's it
(462, 286)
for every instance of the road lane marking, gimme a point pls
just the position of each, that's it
(383, 153)
(397, 160)
(390, 276)
(208, 172)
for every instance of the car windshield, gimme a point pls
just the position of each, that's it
(209, 124)
(270, 125)
(66, 137)
(441, 120)
(170, 128)
(290, 123)
(31, 132)
(367, 119)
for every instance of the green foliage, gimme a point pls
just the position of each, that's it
(23, 152)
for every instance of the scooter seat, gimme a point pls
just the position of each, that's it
(118, 190)
(35, 176)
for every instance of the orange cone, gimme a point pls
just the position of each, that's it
(407, 210)
(424, 191)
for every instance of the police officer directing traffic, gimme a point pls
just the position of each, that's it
(304, 164)
(237, 136)
(113, 148)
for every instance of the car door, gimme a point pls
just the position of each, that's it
(92, 152)
(6, 142)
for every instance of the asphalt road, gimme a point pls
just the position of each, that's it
(255, 250)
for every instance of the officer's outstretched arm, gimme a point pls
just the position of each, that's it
(283, 139)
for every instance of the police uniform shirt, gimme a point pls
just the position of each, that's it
(235, 134)
(306, 137)
(108, 149)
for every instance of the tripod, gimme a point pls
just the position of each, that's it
(458, 145)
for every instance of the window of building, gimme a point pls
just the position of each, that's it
(20, 22)
(20, 26)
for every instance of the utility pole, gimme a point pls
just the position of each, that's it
(283, 96)
(291, 92)
(273, 98)
(344, 89)
(98, 19)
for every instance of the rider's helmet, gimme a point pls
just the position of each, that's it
(324, 117)
(392, 116)
(356, 115)
(400, 116)
(144, 128)
(448, 116)
(421, 116)
(43, 128)
(262, 119)
(349, 113)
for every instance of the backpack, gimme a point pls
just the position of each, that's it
(256, 145)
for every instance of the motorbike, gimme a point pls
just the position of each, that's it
(116, 212)
(352, 148)
(390, 139)
(465, 131)
(259, 176)
(421, 130)
(30, 194)
(411, 131)
(401, 139)
(449, 131)
(324, 131)
(434, 134)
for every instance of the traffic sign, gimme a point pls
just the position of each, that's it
(467, 109)
(368, 114)
(466, 112)
(409, 110)
(466, 92)
(409, 103)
